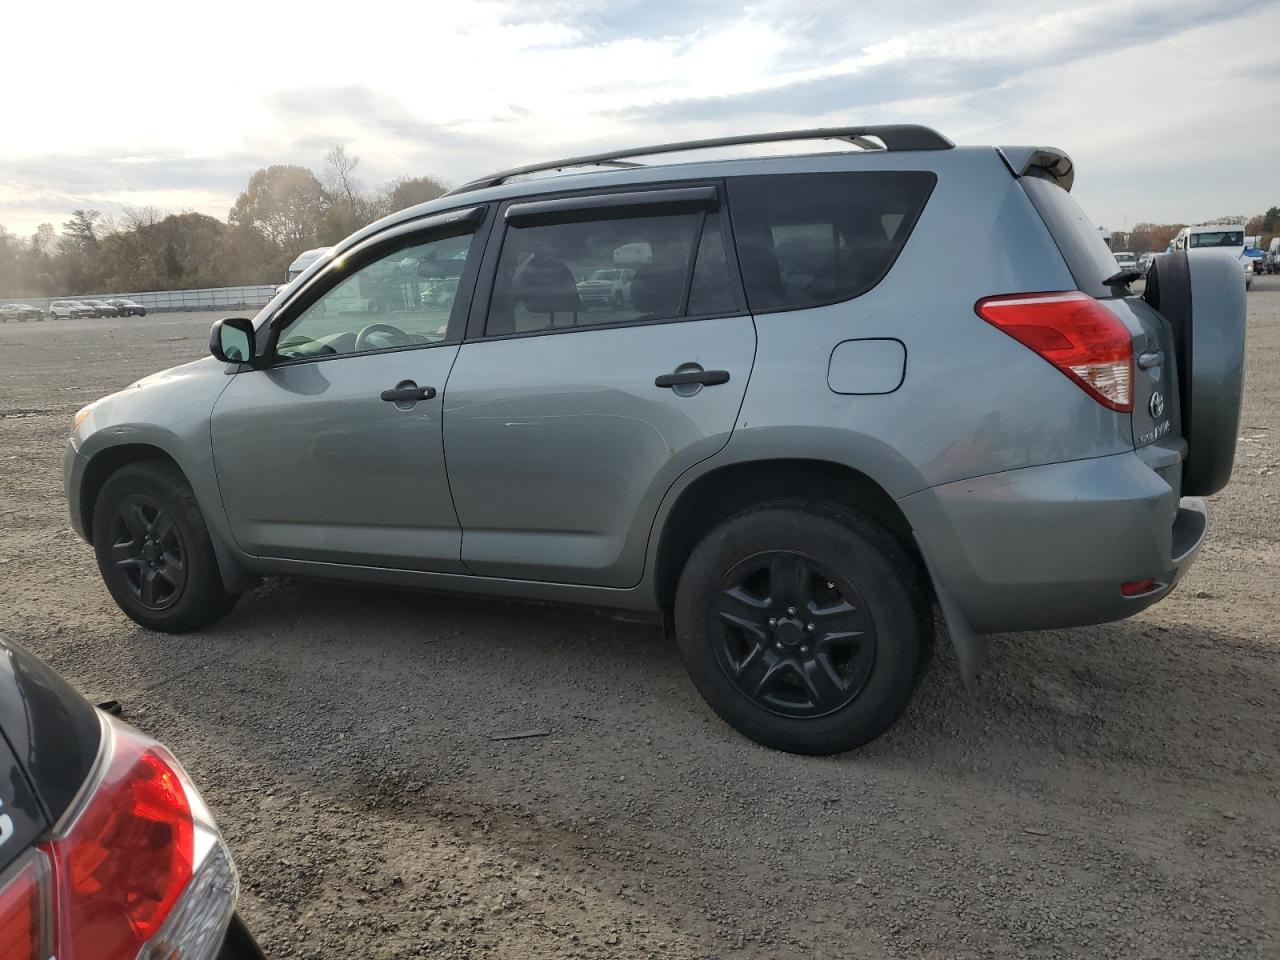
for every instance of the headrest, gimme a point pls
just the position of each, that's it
(544, 285)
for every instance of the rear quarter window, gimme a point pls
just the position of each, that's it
(815, 238)
(1087, 255)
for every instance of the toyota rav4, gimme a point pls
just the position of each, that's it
(841, 388)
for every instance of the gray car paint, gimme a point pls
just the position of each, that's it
(366, 480)
(559, 452)
(981, 427)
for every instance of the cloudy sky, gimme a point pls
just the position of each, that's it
(1167, 106)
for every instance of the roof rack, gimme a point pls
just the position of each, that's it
(894, 136)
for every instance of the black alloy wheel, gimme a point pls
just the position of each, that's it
(793, 636)
(803, 624)
(148, 552)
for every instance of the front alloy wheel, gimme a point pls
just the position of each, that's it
(148, 552)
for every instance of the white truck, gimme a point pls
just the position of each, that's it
(1227, 237)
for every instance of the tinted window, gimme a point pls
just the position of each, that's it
(807, 239)
(611, 270)
(1221, 238)
(712, 288)
(402, 299)
(1087, 255)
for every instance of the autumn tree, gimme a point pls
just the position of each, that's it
(283, 203)
(81, 231)
(346, 207)
(1153, 237)
(411, 191)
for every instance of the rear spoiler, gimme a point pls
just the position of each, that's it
(1048, 163)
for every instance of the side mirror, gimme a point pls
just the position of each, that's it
(231, 340)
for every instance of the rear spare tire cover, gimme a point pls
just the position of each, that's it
(1202, 295)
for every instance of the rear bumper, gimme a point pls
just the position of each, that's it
(1050, 546)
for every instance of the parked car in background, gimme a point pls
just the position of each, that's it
(1144, 262)
(1273, 255)
(106, 849)
(1218, 237)
(101, 308)
(21, 311)
(439, 292)
(610, 287)
(70, 309)
(785, 448)
(1128, 262)
(128, 308)
(1257, 257)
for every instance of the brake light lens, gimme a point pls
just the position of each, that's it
(140, 870)
(24, 933)
(1076, 334)
(128, 856)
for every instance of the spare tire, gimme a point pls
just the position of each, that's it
(1202, 295)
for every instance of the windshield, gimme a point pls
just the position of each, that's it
(605, 275)
(1223, 238)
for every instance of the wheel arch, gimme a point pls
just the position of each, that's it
(106, 462)
(109, 459)
(724, 491)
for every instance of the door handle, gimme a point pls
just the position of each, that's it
(408, 394)
(708, 378)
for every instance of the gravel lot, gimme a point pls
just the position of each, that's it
(1102, 792)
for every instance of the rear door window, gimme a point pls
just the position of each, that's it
(615, 268)
(814, 238)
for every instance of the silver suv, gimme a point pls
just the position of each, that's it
(842, 387)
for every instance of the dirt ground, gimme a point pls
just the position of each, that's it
(1103, 792)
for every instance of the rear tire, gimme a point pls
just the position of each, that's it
(803, 625)
(154, 550)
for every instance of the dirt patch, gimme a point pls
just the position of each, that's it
(1103, 792)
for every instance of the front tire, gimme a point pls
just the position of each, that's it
(803, 625)
(154, 550)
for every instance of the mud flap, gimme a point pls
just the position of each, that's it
(970, 647)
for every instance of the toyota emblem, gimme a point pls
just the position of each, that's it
(1156, 405)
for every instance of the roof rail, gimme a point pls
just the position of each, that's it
(894, 136)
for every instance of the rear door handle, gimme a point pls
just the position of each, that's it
(408, 393)
(708, 378)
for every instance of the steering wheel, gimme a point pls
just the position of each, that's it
(362, 338)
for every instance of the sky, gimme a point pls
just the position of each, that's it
(1168, 107)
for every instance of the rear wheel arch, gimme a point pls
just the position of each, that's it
(721, 493)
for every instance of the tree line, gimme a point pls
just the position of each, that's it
(283, 210)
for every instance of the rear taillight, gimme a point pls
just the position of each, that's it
(25, 932)
(139, 869)
(1076, 334)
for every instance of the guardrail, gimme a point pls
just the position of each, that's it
(207, 298)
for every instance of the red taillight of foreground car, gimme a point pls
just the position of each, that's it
(127, 857)
(137, 871)
(1076, 334)
(24, 915)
